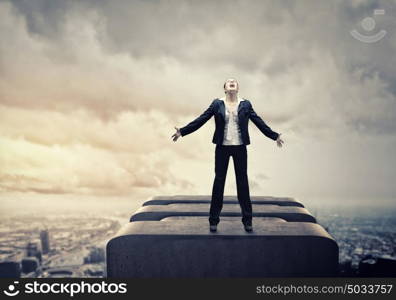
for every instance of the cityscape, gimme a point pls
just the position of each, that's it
(73, 244)
(366, 239)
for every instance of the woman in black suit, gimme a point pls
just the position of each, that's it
(231, 137)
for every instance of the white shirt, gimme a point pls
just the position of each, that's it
(232, 132)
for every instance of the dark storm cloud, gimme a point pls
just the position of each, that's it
(104, 82)
(43, 17)
(276, 39)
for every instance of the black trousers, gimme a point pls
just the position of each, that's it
(222, 157)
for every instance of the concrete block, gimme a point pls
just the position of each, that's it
(228, 199)
(184, 247)
(158, 212)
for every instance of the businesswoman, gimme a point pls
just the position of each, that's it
(231, 137)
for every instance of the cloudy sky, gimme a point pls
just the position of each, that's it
(90, 92)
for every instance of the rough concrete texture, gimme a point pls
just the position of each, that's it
(186, 248)
(158, 212)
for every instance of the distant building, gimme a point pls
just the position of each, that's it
(96, 255)
(33, 249)
(45, 243)
(94, 271)
(29, 264)
(10, 269)
(377, 266)
(346, 269)
(59, 273)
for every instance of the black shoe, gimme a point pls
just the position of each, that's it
(248, 227)
(213, 227)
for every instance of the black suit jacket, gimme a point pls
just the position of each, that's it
(217, 109)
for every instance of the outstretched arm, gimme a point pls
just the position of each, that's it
(264, 128)
(198, 122)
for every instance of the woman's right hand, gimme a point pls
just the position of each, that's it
(176, 135)
(279, 141)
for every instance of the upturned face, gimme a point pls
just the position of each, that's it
(231, 86)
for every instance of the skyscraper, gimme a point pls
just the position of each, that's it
(45, 244)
